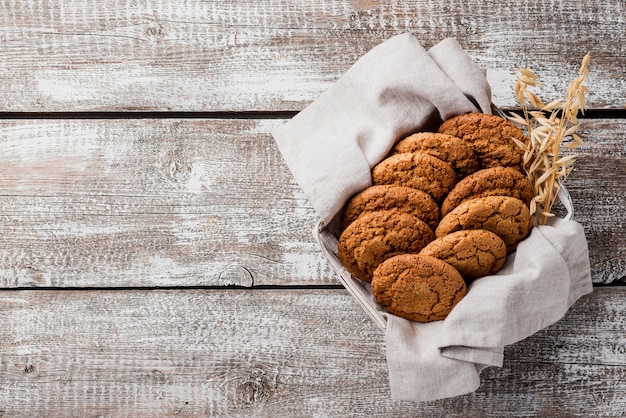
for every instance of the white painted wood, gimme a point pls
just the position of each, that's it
(151, 203)
(598, 189)
(114, 203)
(180, 202)
(280, 55)
(276, 353)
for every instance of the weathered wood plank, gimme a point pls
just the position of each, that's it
(151, 203)
(111, 203)
(281, 54)
(276, 353)
(598, 190)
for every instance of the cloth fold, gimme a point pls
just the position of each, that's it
(395, 89)
(534, 289)
(330, 147)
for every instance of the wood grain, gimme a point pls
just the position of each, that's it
(282, 54)
(151, 203)
(125, 206)
(599, 191)
(276, 353)
(148, 202)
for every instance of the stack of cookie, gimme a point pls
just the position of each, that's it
(444, 209)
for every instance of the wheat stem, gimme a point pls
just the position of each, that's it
(545, 167)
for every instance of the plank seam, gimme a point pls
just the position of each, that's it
(279, 114)
(617, 284)
(285, 114)
(142, 288)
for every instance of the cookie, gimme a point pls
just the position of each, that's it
(495, 181)
(490, 138)
(448, 148)
(417, 170)
(418, 287)
(505, 216)
(376, 236)
(474, 253)
(386, 197)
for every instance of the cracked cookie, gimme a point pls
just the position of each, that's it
(474, 253)
(386, 197)
(507, 217)
(417, 170)
(376, 236)
(418, 287)
(490, 138)
(495, 181)
(448, 148)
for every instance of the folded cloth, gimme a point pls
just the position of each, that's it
(395, 89)
(535, 288)
(330, 147)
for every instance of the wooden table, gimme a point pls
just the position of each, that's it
(156, 256)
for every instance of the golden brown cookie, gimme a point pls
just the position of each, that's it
(417, 170)
(389, 196)
(376, 236)
(490, 138)
(505, 216)
(418, 287)
(494, 181)
(474, 253)
(448, 148)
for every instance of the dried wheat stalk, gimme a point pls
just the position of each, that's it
(548, 126)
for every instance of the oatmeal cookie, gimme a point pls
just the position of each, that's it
(448, 148)
(490, 138)
(376, 236)
(495, 181)
(507, 217)
(418, 287)
(389, 196)
(417, 170)
(474, 253)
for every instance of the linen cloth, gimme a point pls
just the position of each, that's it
(330, 147)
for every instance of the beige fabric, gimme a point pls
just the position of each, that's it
(535, 288)
(393, 90)
(330, 147)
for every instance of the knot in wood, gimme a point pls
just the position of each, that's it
(180, 172)
(154, 29)
(255, 388)
(235, 275)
